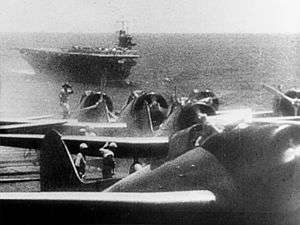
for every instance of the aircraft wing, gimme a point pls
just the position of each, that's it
(94, 125)
(107, 127)
(34, 127)
(21, 140)
(280, 119)
(39, 125)
(8, 121)
(224, 118)
(99, 208)
(230, 117)
(19, 120)
(127, 146)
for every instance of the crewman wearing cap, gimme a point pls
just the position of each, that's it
(82, 132)
(64, 94)
(80, 160)
(135, 166)
(90, 132)
(109, 164)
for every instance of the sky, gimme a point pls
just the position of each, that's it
(151, 16)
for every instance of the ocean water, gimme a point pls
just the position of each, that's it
(234, 66)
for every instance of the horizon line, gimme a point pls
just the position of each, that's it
(149, 33)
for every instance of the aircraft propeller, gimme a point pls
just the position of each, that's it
(295, 102)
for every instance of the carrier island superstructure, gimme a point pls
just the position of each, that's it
(112, 63)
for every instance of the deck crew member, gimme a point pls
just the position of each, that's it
(82, 132)
(80, 160)
(64, 94)
(135, 166)
(109, 164)
(90, 131)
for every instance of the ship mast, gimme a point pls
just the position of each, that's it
(123, 23)
(125, 40)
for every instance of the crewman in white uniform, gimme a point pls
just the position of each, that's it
(64, 96)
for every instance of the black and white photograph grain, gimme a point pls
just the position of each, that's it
(150, 112)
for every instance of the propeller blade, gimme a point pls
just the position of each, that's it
(278, 93)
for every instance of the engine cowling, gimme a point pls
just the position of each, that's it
(97, 114)
(158, 107)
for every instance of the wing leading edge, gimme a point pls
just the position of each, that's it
(110, 207)
(127, 146)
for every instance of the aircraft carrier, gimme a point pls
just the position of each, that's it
(89, 62)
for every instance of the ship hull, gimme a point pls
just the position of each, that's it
(89, 66)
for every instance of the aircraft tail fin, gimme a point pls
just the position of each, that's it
(57, 169)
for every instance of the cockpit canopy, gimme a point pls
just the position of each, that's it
(197, 95)
(192, 113)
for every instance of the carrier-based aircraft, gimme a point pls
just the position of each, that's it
(234, 167)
